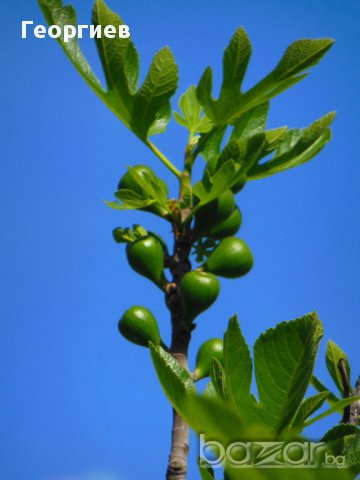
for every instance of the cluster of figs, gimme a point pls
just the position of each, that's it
(231, 257)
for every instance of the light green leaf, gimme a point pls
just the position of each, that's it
(284, 361)
(211, 148)
(310, 141)
(274, 138)
(151, 186)
(333, 356)
(289, 141)
(238, 373)
(300, 56)
(203, 94)
(210, 391)
(219, 421)
(307, 408)
(130, 204)
(155, 93)
(217, 376)
(222, 180)
(344, 439)
(274, 89)
(253, 121)
(341, 404)
(120, 62)
(331, 399)
(174, 379)
(192, 117)
(57, 14)
(235, 61)
(237, 362)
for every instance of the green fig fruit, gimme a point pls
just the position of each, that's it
(210, 349)
(128, 182)
(199, 290)
(146, 256)
(228, 227)
(213, 213)
(162, 241)
(138, 325)
(231, 258)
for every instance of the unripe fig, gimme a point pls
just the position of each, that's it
(199, 290)
(214, 213)
(210, 349)
(145, 172)
(162, 241)
(228, 227)
(128, 182)
(232, 258)
(138, 325)
(146, 256)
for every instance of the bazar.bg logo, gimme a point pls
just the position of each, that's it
(269, 455)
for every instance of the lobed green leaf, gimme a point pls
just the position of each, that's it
(151, 111)
(284, 361)
(57, 14)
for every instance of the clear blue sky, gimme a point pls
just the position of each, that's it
(77, 400)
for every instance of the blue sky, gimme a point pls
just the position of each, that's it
(78, 402)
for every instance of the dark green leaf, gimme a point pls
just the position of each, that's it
(211, 148)
(56, 14)
(340, 431)
(206, 472)
(236, 58)
(229, 108)
(352, 450)
(235, 61)
(154, 95)
(284, 360)
(203, 94)
(120, 62)
(253, 121)
(333, 356)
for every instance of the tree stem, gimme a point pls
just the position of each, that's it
(181, 335)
